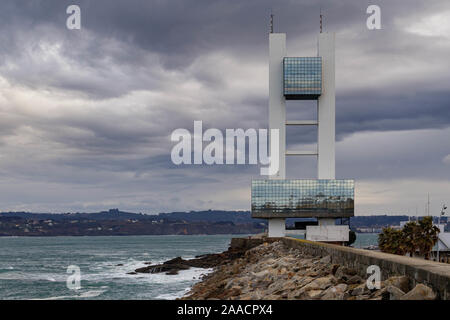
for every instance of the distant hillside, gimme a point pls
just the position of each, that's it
(376, 221)
(210, 216)
(116, 222)
(116, 214)
(112, 214)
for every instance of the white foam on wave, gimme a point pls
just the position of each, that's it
(86, 294)
(173, 286)
(172, 296)
(161, 278)
(108, 272)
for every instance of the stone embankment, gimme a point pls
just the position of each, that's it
(276, 271)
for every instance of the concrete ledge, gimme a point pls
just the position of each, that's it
(433, 274)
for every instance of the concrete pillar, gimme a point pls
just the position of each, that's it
(326, 109)
(277, 102)
(277, 114)
(277, 228)
(326, 114)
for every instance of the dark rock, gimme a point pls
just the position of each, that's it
(334, 268)
(354, 279)
(172, 272)
(360, 290)
(176, 260)
(401, 282)
(174, 265)
(335, 293)
(395, 293)
(420, 292)
(344, 273)
(381, 294)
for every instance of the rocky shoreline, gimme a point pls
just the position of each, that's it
(271, 271)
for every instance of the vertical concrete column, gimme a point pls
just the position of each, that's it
(326, 114)
(277, 102)
(277, 228)
(327, 109)
(277, 114)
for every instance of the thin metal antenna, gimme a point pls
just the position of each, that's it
(321, 17)
(271, 21)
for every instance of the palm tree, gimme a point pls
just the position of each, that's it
(390, 241)
(414, 236)
(384, 239)
(410, 237)
(427, 235)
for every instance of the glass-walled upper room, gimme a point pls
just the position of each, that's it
(302, 78)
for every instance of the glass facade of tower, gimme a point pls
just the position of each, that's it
(302, 78)
(302, 198)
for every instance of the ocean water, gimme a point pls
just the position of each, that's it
(365, 240)
(36, 267)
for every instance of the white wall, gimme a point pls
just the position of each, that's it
(277, 228)
(327, 233)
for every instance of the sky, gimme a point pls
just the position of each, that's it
(86, 115)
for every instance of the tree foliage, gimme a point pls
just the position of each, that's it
(415, 237)
(390, 241)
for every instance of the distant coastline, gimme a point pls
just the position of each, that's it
(119, 223)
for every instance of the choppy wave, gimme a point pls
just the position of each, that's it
(36, 267)
(52, 277)
(83, 295)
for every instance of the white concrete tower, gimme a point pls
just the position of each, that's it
(277, 114)
(301, 84)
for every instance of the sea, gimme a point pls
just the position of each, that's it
(41, 268)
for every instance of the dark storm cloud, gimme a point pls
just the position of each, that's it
(178, 32)
(374, 112)
(97, 106)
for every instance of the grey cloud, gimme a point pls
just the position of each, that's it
(94, 109)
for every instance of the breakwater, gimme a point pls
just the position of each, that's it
(287, 268)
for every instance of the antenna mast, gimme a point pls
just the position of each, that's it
(321, 17)
(271, 21)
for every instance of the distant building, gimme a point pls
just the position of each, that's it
(442, 245)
